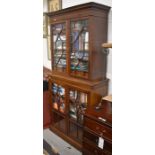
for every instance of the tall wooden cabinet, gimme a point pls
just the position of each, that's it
(78, 77)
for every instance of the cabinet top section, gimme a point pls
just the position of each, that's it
(79, 8)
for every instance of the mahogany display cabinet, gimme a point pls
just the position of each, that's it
(77, 34)
(78, 76)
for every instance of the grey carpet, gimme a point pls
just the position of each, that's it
(47, 147)
(59, 144)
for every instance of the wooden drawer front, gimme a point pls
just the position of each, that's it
(107, 153)
(100, 129)
(91, 150)
(86, 152)
(91, 137)
(87, 136)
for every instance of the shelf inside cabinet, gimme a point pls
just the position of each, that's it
(59, 112)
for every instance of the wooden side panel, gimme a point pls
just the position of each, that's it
(99, 58)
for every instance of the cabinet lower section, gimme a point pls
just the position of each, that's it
(69, 100)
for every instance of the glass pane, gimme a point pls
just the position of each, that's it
(59, 122)
(75, 131)
(79, 46)
(59, 46)
(78, 104)
(58, 97)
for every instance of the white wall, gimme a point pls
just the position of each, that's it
(109, 64)
(46, 62)
(44, 5)
(68, 3)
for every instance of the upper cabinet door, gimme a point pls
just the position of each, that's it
(79, 48)
(59, 47)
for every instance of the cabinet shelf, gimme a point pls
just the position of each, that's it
(63, 58)
(60, 30)
(84, 29)
(59, 50)
(82, 60)
(73, 120)
(58, 112)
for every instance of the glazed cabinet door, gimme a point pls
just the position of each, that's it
(78, 101)
(79, 48)
(58, 98)
(59, 107)
(59, 47)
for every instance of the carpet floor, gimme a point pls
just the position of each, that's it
(59, 144)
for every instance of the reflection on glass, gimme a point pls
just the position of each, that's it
(59, 46)
(58, 97)
(79, 45)
(78, 104)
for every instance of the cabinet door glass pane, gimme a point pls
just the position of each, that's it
(77, 105)
(75, 131)
(59, 46)
(79, 53)
(58, 97)
(59, 122)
